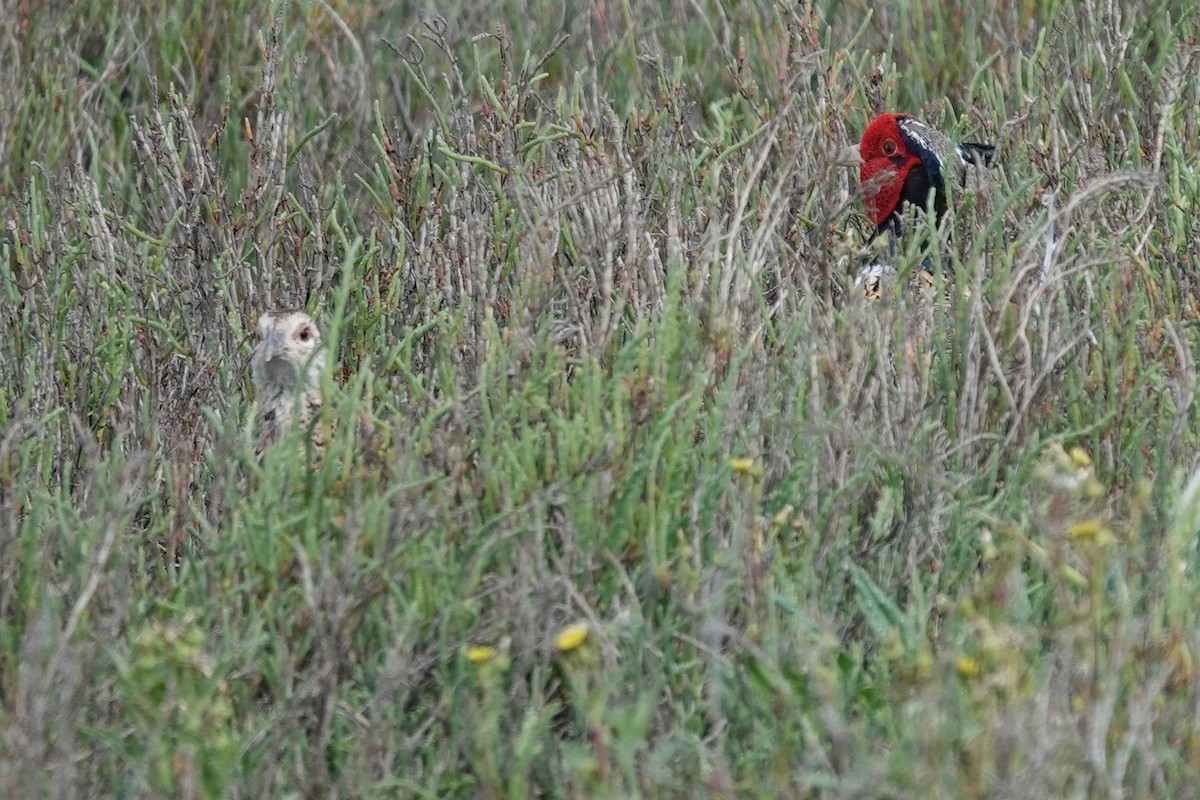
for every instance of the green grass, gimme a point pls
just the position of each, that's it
(595, 357)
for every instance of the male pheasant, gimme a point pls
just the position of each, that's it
(902, 162)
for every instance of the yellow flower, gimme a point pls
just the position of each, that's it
(742, 465)
(572, 637)
(480, 653)
(1088, 529)
(967, 667)
(1080, 457)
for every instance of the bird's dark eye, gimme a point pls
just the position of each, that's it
(305, 335)
(889, 148)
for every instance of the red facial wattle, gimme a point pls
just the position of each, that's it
(882, 182)
(885, 167)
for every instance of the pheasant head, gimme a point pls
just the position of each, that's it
(286, 369)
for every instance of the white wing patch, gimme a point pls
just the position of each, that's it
(873, 272)
(974, 155)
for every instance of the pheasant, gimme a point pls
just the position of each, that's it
(902, 161)
(287, 361)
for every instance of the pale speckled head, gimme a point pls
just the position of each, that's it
(288, 347)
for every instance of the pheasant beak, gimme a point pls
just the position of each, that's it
(848, 156)
(272, 345)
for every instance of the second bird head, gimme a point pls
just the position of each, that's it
(288, 351)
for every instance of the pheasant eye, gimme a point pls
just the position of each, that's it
(889, 148)
(305, 335)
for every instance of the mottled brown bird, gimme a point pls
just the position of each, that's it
(286, 369)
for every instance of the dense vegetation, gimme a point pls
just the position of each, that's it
(628, 491)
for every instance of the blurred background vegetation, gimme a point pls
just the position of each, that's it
(630, 493)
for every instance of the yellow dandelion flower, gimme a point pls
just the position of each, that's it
(572, 637)
(967, 667)
(480, 653)
(1080, 457)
